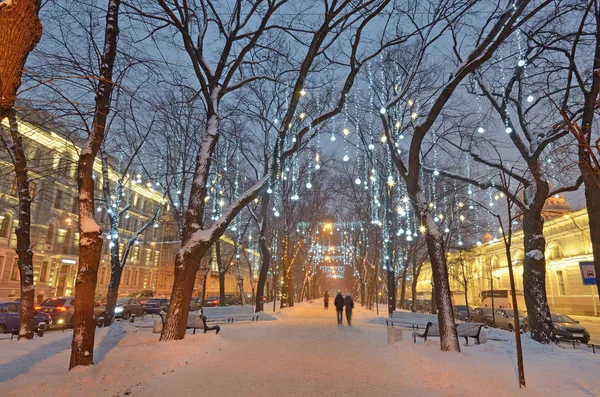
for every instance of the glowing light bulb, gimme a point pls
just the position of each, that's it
(332, 138)
(382, 110)
(357, 181)
(269, 190)
(508, 130)
(480, 130)
(346, 131)
(436, 172)
(303, 92)
(530, 98)
(521, 63)
(346, 158)
(371, 146)
(309, 185)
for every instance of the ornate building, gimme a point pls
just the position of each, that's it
(567, 244)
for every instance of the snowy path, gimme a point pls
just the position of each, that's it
(302, 353)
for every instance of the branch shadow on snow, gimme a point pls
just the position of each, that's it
(22, 364)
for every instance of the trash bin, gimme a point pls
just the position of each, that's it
(394, 334)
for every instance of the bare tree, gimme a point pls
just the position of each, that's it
(20, 31)
(497, 27)
(90, 241)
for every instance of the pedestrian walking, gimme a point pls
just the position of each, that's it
(339, 306)
(349, 303)
(326, 300)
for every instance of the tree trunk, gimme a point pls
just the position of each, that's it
(287, 288)
(16, 151)
(181, 295)
(403, 285)
(534, 278)
(20, 31)
(265, 255)
(221, 268)
(441, 296)
(90, 241)
(113, 286)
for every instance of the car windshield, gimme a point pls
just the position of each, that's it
(54, 302)
(485, 310)
(509, 312)
(561, 318)
(122, 301)
(153, 301)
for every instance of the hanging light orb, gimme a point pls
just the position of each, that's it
(269, 190)
(521, 63)
(509, 130)
(346, 158)
(481, 130)
(371, 146)
(332, 138)
(309, 185)
(382, 110)
(530, 98)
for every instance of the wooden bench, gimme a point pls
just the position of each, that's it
(464, 330)
(193, 323)
(410, 320)
(469, 330)
(229, 313)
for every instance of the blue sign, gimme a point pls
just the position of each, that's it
(588, 273)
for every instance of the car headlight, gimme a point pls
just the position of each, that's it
(118, 309)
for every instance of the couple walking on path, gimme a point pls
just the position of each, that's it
(340, 302)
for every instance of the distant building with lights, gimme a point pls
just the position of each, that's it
(52, 163)
(567, 244)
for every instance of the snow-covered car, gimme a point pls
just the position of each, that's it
(568, 329)
(10, 320)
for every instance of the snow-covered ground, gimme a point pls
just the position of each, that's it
(303, 352)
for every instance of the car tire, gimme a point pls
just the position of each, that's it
(126, 315)
(510, 328)
(2, 328)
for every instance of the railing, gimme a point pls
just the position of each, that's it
(577, 344)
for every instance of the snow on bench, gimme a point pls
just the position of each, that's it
(410, 320)
(229, 313)
(464, 330)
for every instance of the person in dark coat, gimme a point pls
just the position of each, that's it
(339, 306)
(326, 300)
(349, 303)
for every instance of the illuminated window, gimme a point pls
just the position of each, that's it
(44, 272)
(14, 273)
(50, 234)
(561, 283)
(5, 226)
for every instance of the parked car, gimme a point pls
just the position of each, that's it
(155, 305)
(481, 315)
(247, 301)
(211, 301)
(231, 300)
(461, 313)
(505, 320)
(61, 310)
(568, 329)
(125, 307)
(10, 320)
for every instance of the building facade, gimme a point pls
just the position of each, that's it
(486, 268)
(52, 164)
